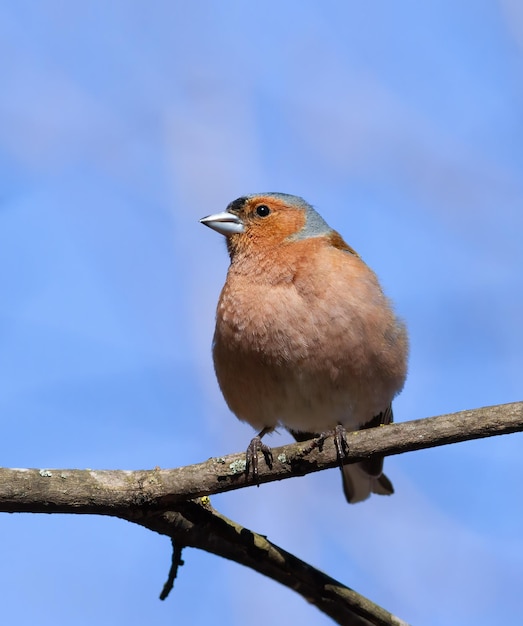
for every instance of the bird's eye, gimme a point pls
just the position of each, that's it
(262, 210)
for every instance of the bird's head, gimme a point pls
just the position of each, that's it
(266, 220)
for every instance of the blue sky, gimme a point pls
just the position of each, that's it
(123, 123)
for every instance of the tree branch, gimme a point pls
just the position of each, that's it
(164, 500)
(197, 524)
(111, 492)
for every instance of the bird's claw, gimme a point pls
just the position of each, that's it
(251, 456)
(340, 441)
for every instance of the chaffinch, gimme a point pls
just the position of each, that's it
(305, 337)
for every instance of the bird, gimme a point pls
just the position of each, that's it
(305, 338)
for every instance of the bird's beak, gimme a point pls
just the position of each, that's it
(224, 223)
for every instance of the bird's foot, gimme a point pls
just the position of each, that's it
(251, 456)
(340, 441)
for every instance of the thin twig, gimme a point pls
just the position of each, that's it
(176, 562)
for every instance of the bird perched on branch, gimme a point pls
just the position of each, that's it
(305, 337)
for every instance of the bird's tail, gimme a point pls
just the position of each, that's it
(362, 479)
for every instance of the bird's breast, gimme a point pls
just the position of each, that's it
(307, 358)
